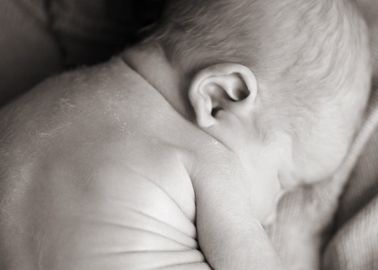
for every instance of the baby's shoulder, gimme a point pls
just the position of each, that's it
(213, 158)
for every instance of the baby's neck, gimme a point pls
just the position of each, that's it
(150, 62)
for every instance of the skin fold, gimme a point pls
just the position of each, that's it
(93, 195)
(133, 165)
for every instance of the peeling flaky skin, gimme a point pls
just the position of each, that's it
(89, 181)
(93, 178)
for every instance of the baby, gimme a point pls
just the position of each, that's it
(181, 145)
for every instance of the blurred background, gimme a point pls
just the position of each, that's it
(39, 38)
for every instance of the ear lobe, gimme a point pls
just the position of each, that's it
(221, 87)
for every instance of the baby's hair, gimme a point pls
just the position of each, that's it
(304, 49)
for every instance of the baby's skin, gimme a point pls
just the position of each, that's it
(140, 164)
(94, 177)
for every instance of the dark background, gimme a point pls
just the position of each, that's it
(89, 30)
(41, 38)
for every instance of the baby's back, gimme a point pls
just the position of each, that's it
(103, 170)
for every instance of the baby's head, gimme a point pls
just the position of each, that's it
(283, 84)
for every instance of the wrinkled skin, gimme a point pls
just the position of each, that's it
(73, 194)
(84, 200)
(101, 182)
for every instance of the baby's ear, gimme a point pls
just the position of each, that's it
(226, 88)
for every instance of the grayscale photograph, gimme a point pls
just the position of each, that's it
(188, 135)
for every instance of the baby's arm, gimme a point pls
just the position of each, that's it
(229, 235)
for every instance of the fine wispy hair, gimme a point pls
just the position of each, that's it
(301, 50)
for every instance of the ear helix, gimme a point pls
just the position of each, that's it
(202, 107)
(204, 110)
(242, 71)
(249, 80)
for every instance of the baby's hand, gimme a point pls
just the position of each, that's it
(303, 219)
